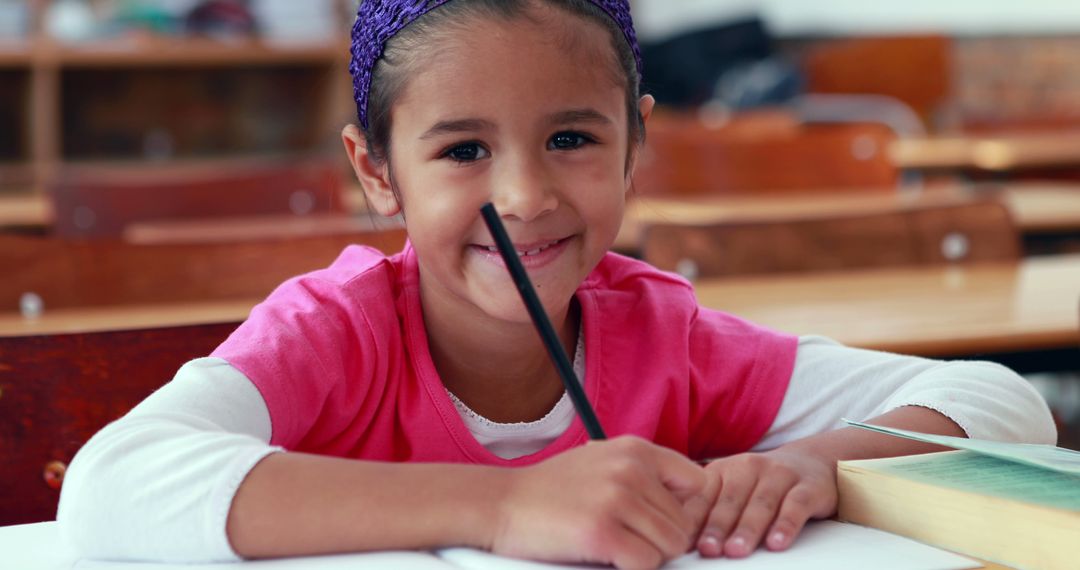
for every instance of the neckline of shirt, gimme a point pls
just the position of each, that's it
(480, 425)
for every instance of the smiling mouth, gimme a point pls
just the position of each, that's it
(531, 249)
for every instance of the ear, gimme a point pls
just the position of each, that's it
(645, 107)
(373, 177)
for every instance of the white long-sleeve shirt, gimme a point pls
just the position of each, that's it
(158, 483)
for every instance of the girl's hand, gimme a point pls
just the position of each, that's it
(623, 501)
(765, 497)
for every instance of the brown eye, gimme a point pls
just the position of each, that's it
(568, 141)
(466, 152)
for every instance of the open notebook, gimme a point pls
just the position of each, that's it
(1044, 456)
(824, 545)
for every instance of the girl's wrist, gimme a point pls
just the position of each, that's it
(854, 443)
(482, 512)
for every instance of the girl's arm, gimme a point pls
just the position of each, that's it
(625, 502)
(174, 481)
(157, 484)
(832, 381)
(765, 498)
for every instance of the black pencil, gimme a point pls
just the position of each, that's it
(542, 323)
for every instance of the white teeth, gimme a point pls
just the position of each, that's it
(522, 253)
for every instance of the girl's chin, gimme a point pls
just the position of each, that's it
(508, 306)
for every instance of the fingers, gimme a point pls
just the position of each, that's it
(632, 552)
(635, 536)
(683, 477)
(760, 503)
(697, 510)
(735, 488)
(619, 501)
(663, 502)
(667, 535)
(658, 512)
(761, 508)
(686, 482)
(686, 494)
(799, 506)
(663, 486)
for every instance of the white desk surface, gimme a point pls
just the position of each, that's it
(824, 545)
(33, 547)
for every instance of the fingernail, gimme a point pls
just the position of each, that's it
(710, 546)
(777, 539)
(737, 546)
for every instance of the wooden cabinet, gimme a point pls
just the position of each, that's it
(15, 144)
(57, 390)
(145, 97)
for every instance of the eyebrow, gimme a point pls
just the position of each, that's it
(579, 116)
(457, 126)
(474, 125)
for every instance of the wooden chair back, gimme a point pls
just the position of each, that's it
(686, 157)
(95, 202)
(979, 230)
(915, 69)
(56, 391)
(85, 273)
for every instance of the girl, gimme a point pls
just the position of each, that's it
(379, 403)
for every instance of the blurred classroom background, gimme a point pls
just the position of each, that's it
(900, 176)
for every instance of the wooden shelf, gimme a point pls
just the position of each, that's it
(14, 109)
(145, 96)
(151, 51)
(15, 54)
(15, 176)
(990, 153)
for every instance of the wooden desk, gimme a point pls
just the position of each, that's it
(169, 52)
(1030, 305)
(249, 228)
(34, 211)
(992, 153)
(962, 310)
(1044, 208)
(25, 210)
(1036, 208)
(92, 319)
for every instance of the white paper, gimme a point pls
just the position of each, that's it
(391, 560)
(824, 545)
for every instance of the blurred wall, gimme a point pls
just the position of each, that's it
(657, 19)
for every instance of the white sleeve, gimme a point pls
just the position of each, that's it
(832, 381)
(158, 483)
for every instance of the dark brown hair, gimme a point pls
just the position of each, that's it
(401, 53)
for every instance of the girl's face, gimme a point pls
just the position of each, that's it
(527, 114)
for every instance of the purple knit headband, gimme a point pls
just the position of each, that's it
(379, 20)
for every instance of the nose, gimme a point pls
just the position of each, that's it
(524, 189)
